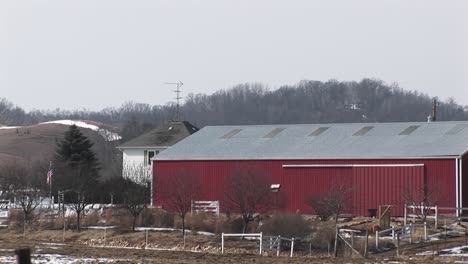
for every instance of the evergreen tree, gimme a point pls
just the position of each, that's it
(77, 170)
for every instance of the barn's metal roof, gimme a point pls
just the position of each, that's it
(323, 141)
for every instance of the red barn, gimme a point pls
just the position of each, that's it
(380, 160)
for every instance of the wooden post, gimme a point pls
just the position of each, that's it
(335, 252)
(410, 232)
(352, 239)
(23, 256)
(425, 231)
(366, 243)
(146, 239)
(377, 240)
(436, 216)
(406, 215)
(393, 233)
(398, 244)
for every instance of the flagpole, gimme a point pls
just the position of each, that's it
(50, 181)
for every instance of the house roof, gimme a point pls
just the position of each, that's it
(324, 141)
(164, 136)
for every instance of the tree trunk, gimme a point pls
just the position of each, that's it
(78, 213)
(183, 228)
(134, 222)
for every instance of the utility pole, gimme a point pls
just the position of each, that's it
(178, 97)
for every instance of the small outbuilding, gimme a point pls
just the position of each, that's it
(381, 162)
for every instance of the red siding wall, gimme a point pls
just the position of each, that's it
(373, 185)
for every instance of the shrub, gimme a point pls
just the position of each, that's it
(287, 225)
(324, 235)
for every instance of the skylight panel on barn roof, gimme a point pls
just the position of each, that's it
(231, 133)
(408, 130)
(456, 129)
(274, 132)
(363, 131)
(318, 131)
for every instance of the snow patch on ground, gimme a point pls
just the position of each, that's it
(460, 251)
(57, 258)
(8, 127)
(164, 229)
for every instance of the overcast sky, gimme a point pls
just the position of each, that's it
(93, 54)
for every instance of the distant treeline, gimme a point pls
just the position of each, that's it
(306, 102)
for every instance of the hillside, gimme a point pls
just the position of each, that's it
(38, 142)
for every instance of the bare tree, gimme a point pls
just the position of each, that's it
(181, 190)
(136, 192)
(80, 195)
(247, 193)
(423, 198)
(24, 183)
(333, 202)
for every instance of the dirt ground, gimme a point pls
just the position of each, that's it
(98, 246)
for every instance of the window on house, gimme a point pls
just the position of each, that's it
(149, 154)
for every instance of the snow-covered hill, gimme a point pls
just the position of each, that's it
(106, 134)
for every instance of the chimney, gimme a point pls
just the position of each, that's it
(434, 110)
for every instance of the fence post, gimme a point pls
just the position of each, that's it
(393, 233)
(398, 244)
(146, 239)
(365, 243)
(222, 243)
(352, 239)
(292, 247)
(405, 215)
(376, 239)
(278, 247)
(23, 255)
(335, 253)
(410, 232)
(261, 242)
(425, 231)
(436, 216)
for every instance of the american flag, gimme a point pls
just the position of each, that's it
(50, 173)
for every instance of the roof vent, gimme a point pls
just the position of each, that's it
(363, 131)
(274, 132)
(408, 130)
(318, 131)
(456, 129)
(231, 133)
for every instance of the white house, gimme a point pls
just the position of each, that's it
(138, 152)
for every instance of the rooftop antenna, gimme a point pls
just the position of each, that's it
(178, 97)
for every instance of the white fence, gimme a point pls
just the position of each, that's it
(272, 242)
(432, 212)
(259, 235)
(406, 231)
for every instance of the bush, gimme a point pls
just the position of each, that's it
(163, 218)
(321, 207)
(324, 235)
(286, 225)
